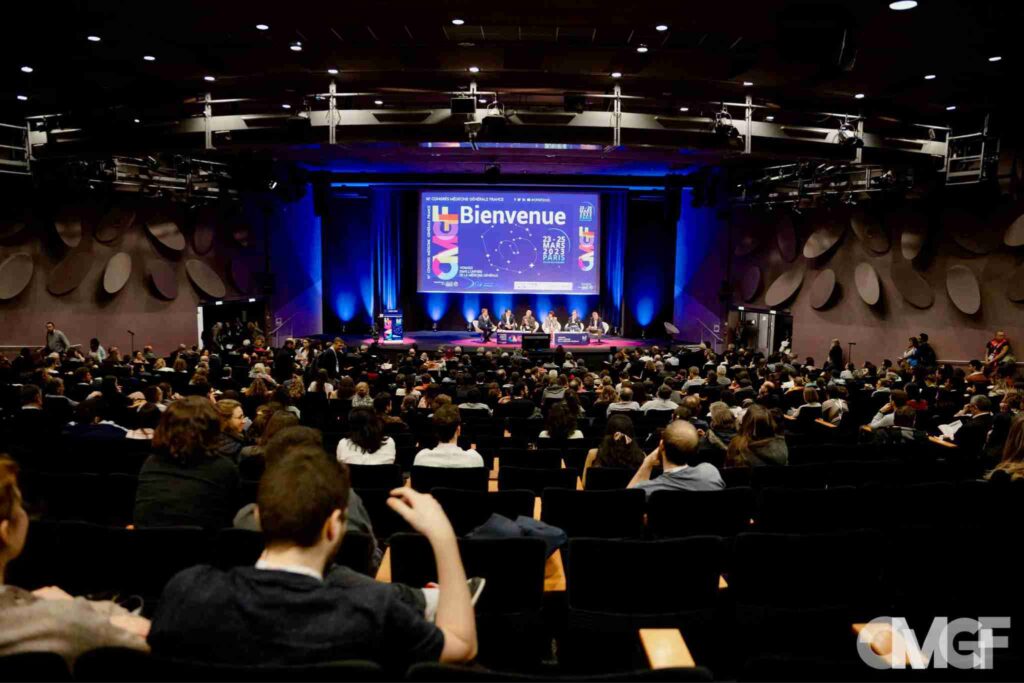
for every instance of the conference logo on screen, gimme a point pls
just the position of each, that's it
(444, 228)
(586, 212)
(586, 259)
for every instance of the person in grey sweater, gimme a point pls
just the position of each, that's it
(56, 341)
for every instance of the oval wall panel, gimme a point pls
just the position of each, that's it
(1015, 288)
(69, 227)
(11, 227)
(165, 280)
(968, 231)
(867, 225)
(784, 287)
(785, 238)
(822, 289)
(914, 289)
(205, 280)
(750, 283)
(1014, 236)
(117, 272)
(114, 223)
(204, 231)
(962, 287)
(166, 232)
(913, 235)
(824, 238)
(69, 273)
(15, 274)
(866, 279)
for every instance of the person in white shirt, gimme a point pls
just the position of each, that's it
(624, 404)
(551, 324)
(662, 402)
(366, 443)
(448, 428)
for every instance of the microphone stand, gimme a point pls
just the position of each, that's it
(849, 354)
(132, 341)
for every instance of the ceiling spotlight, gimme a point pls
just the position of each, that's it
(286, 106)
(378, 102)
(641, 48)
(262, 27)
(296, 46)
(458, 22)
(474, 69)
(995, 58)
(929, 77)
(27, 69)
(951, 107)
(149, 58)
(900, 5)
(661, 27)
(616, 74)
(482, 100)
(847, 135)
(684, 109)
(723, 125)
(22, 98)
(748, 84)
(333, 72)
(93, 39)
(209, 79)
(136, 120)
(769, 118)
(859, 96)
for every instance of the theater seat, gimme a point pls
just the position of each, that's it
(34, 666)
(677, 514)
(600, 514)
(426, 479)
(375, 476)
(608, 478)
(536, 479)
(118, 664)
(467, 510)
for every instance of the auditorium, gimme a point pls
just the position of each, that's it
(556, 341)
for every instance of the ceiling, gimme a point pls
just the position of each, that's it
(803, 57)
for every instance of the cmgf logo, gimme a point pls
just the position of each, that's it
(890, 643)
(444, 228)
(586, 259)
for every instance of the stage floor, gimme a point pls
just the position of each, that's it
(428, 341)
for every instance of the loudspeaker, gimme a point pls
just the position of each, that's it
(533, 342)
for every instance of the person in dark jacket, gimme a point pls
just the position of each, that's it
(284, 362)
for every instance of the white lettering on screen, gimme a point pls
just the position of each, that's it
(472, 214)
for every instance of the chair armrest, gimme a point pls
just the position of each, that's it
(666, 649)
(384, 570)
(866, 428)
(823, 423)
(791, 418)
(939, 442)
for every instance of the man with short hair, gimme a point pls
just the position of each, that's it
(902, 430)
(56, 341)
(975, 422)
(884, 416)
(447, 427)
(693, 379)
(284, 362)
(678, 456)
(662, 402)
(624, 404)
(286, 611)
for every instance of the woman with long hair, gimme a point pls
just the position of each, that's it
(232, 428)
(1012, 464)
(560, 424)
(366, 443)
(618, 448)
(185, 482)
(757, 442)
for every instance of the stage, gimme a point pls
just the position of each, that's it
(429, 341)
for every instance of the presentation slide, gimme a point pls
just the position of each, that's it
(508, 242)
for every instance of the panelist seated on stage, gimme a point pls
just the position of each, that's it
(575, 323)
(596, 326)
(529, 323)
(551, 324)
(508, 321)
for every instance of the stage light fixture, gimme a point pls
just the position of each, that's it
(378, 102)
(333, 72)
(27, 69)
(748, 84)
(22, 98)
(296, 46)
(286, 106)
(995, 58)
(901, 5)
(929, 77)
(641, 48)
(93, 39)
(661, 27)
(262, 27)
(474, 69)
(951, 107)
(847, 135)
(136, 121)
(458, 22)
(149, 58)
(616, 74)
(723, 127)
(859, 96)
(769, 118)
(209, 79)
(684, 109)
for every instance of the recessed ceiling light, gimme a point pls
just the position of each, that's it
(209, 79)
(474, 69)
(482, 100)
(149, 58)
(900, 5)
(27, 69)
(378, 102)
(641, 48)
(859, 96)
(616, 74)
(769, 118)
(136, 120)
(458, 22)
(995, 58)
(262, 27)
(22, 98)
(747, 84)
(295, 47)
(951, 107)
(286, 106)
(929, 77)
(684, 109)
(93, 39)
(661, 27)
(333, 72)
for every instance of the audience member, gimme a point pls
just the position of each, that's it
(366, 443)
(757, 442)
(682, 469)
(447, 428)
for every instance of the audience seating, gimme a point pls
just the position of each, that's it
(386, 521)
(426, 479)
(469, 509)
(536, 479)
(34, 666)
(676, 514)
(608, 478)
(601, 514)
(787, 510)
(375, 476)
(522, 457)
